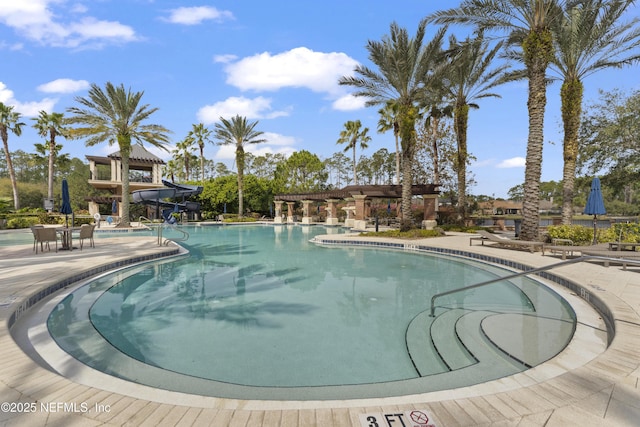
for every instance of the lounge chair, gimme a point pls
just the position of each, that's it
(620, 256)
(45, 235)
(505, 241)
(86, 232)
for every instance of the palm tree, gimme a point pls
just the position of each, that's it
(528, 26)
(200, 134)
(183, 152)
(589, 38)
(238, 132)
(388, 120)
(51, 125)
(406, 72)
(116, 116)
(470, 79)
(351, 135)
(10, 122)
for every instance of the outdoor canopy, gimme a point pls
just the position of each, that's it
(66, 201)
(595, 205)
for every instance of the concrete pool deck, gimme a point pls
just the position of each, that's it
(601, 389)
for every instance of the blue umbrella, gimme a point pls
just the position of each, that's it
(114, 207)
(595, 205)
(66, 202)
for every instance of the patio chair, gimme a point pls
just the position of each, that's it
(45, 235)
(35, 239)
(86, 232)
(505, 241)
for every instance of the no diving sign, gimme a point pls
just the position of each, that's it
(417, 418)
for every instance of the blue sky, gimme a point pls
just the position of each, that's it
(273, 61)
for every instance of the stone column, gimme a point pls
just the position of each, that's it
(360, 222)
(306, 218)
(349, 209)
(290, 211)
(430, 202)
(277, 219)
(332, 216)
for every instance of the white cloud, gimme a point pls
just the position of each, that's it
(514, 162)
(228, 152)
(196, 15)
(299, 67)
(256, 108)
(36, 20)
(28, 109)
(224, 59)
(349, 103)
(64, 86)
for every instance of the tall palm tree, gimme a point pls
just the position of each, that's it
(389, 120)
(470, 78)
(183, 151)
(527, 24)
(115, 116)
(351, 135)
(238, 132)
(51, 125)
(406, 71)
(200, 134)
(10, 122)
(590, 38)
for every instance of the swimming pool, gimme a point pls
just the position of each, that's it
(260, 312)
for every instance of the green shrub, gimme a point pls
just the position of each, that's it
(581, 235)
(578, 234)
(22, 222)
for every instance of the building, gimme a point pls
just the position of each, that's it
(145, 171)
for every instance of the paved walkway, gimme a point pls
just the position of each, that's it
(583, 386)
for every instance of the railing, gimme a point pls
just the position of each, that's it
(532, 271)
(160, 226)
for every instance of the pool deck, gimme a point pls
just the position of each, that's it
(582, 387)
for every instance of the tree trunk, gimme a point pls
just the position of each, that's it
(407, 183)
(240, 165)
(202, 164)
(435, 122)
(124, 219)
(461, 123)
(397, 158)
(538, 50)
(52, 149)
(12, 173)
(355, 166)
(571, 94)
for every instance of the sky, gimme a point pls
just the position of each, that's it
(277, 62)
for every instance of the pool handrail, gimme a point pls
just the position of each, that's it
(531, 271)
(159, 226)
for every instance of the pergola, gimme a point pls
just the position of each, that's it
(358, 198)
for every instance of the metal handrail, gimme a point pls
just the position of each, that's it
(185, 236)
(532, 271)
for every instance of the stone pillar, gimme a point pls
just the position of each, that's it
(430, 202)
(290, 211)
(360, 222)
(277, 219)
(306, 205)
(349, 209)
(332, 215)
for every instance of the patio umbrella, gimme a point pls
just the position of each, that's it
(114, 207)
(595, 205)
(66, 202)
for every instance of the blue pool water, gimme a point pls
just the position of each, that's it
(261, 306)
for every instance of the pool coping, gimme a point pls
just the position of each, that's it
(605, 388)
